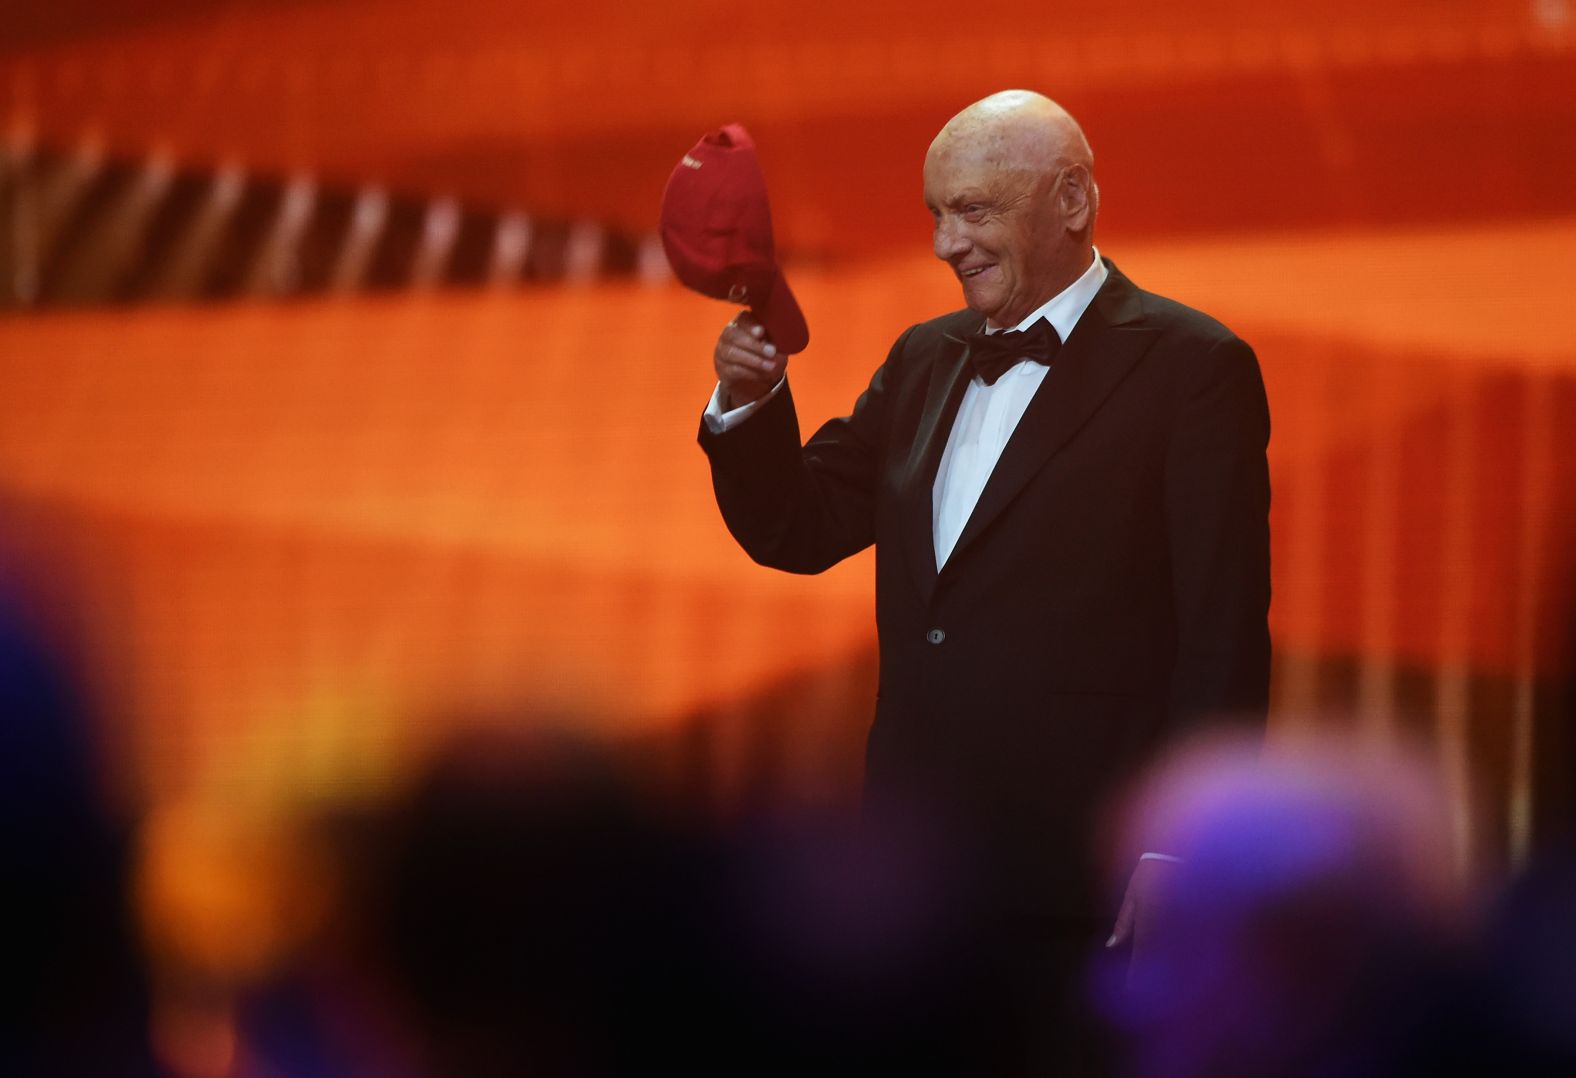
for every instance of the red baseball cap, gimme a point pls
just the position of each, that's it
(717, 232)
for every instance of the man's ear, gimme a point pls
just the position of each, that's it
(1077, 198)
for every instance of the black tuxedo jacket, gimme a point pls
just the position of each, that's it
(1110, 588)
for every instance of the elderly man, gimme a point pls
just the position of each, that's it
(1067, 490)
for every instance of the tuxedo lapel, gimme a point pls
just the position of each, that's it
(949, 378)
(1108, 340)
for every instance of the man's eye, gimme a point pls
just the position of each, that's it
(973, 211)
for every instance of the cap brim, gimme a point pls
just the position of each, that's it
(780, 314)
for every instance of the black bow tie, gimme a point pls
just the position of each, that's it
(991, 354)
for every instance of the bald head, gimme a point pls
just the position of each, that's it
(1010, 184)
(1017, 129)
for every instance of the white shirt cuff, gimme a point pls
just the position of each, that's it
(720, 422)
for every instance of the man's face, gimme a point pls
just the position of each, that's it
(999, 229)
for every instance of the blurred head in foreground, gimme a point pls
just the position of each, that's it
(1315, 896)
(532, 908)
(75, 994)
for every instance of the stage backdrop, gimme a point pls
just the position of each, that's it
(344, 400)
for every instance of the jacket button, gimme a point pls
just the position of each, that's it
(935, 636)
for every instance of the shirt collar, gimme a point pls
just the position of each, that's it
(1064, 309)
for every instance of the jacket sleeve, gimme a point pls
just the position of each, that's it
(1217, 514)
(803, 509)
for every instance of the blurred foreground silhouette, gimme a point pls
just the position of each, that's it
(75, 999)
(524, 908)
(1318, 923)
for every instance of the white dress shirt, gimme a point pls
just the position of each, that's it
(989, 414)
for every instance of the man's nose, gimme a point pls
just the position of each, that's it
(949, 241)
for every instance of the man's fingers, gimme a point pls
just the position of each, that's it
(747, 357)
(746, 321)
(733, 365)
(747, 337)
(758, 333)
(744, 352)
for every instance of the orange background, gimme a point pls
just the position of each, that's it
(293, 534)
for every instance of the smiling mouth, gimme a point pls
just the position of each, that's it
(975, 272)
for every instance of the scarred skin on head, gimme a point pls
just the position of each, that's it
(1010, 184)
